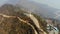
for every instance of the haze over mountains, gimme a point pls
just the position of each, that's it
(38, 8)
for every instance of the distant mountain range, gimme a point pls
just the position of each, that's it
(38, 8)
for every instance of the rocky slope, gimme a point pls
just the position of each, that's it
(13, 21)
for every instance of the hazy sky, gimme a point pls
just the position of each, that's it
(52, 3)
(3, 2)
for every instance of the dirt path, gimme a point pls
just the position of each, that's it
(35, 21)
(7, 16)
